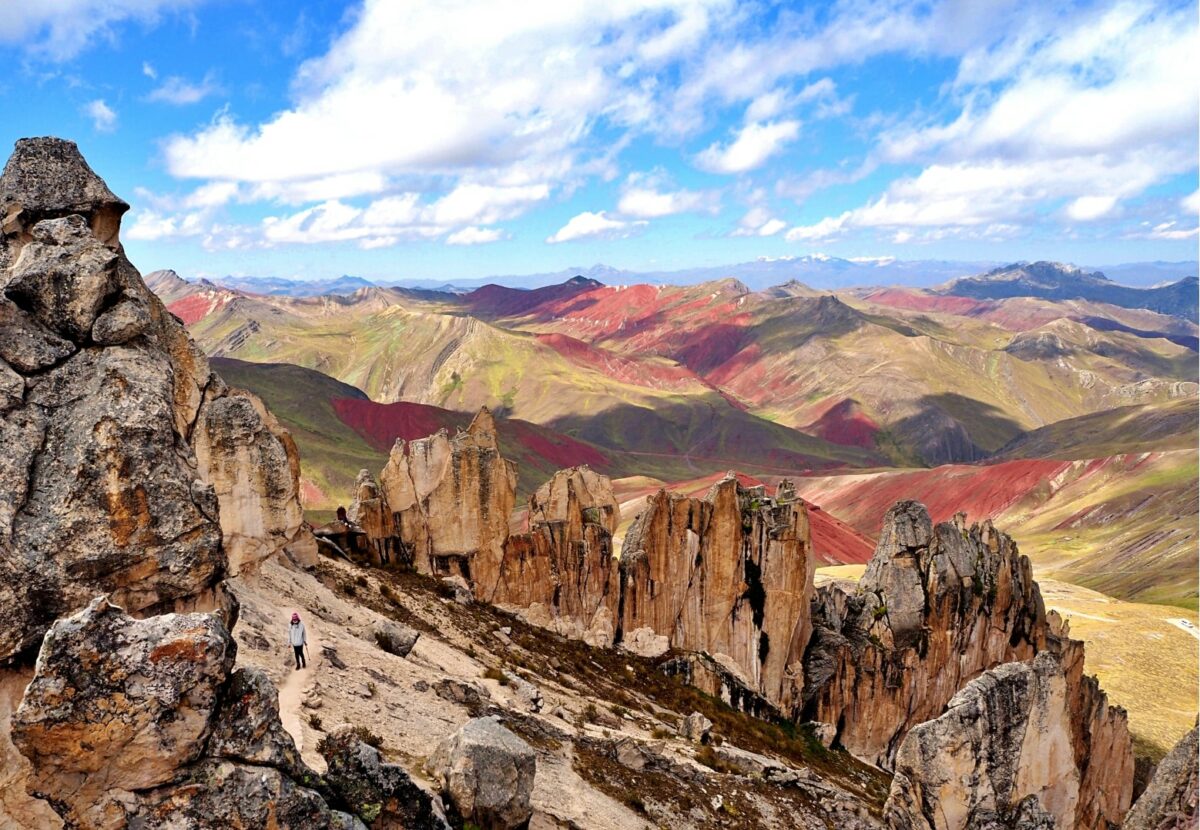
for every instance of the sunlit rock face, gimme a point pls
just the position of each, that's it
(130, 468)
(936, 606)
(561, 573)
(451, 498)
(730, 574)
(1019, 747)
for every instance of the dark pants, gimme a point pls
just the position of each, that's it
(300, 664)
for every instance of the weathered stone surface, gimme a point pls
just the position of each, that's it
(1004, 755)
(561, 571)
(1172, 800)
(731, 574)
(395, 638)
(936, 607)
(451, 499)
(696, 728)
(252, 463)
(247, 726)
(371, 512)
(137, 694)
(487, 772)
(383, 795)
(98, 451)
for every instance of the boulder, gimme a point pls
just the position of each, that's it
(383, 795)
(696, 728)
(395, 638)
(459, 588)
(487, 772)
(1172, 799)
(248, 728)
(371, 512)
(118, 705)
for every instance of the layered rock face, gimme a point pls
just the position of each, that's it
(1006, 753)
(1172, 800)
(371, 512)
(730, 574)
(97, 381)
(451, 499)
(936, 607)
(143, 723)
(562, 571)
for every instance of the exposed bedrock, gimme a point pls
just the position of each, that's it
(128, 467)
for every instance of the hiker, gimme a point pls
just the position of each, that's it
(299, 639)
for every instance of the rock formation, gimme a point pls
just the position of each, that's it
(372, 513)
(487, 772)
(1172, 800)
(562, 573)
(730, 574)
(96, 381)
(936, 607)
(143, 723)
(1006, 754)
(451, 499)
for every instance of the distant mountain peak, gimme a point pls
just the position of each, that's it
(580, 281)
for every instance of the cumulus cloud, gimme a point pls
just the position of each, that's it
(594, 225)
(650, 196)
(104, 117)
(1092, 114)
(754, 144)
(472, 235)
(758, 221)
(181, 92)
(61, 29)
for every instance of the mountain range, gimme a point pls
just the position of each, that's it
(845, 389)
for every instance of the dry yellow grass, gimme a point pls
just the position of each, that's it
(1146, 658)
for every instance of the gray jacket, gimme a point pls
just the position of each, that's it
(296, 635)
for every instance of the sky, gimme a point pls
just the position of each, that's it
(465, 138)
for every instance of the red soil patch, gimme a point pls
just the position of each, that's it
(310, 493)
(627, 370)
(845, 423)
(979, 491)
(196, 307)
(380, 424)
(920, 301)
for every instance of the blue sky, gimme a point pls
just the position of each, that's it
(464, 138)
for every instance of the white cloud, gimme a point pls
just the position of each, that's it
(1088, 208)
(104, 117)
(409, 89)
(61, 29)
(1167, 230)
(650, 196)
(471, 203)
(475, 236)
(1091, 108)
(149, 71)
(1191, 203)
(758, 221)
(754, 144)
(181, 92)
(588, 224)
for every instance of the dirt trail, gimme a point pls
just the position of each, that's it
(294, 687)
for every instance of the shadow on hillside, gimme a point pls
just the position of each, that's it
(950, 428)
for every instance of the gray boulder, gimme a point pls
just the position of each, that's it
(395, 638)
(487, 772)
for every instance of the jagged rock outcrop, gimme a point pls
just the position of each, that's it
(1005, 754)
(106, 410)
(372, 513)
(488, 773)
(561, 573)
(451, 499)
(729, 574)
(143, 723)
(1172, 799)
(936, 607)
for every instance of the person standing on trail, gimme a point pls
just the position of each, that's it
(298, 639)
